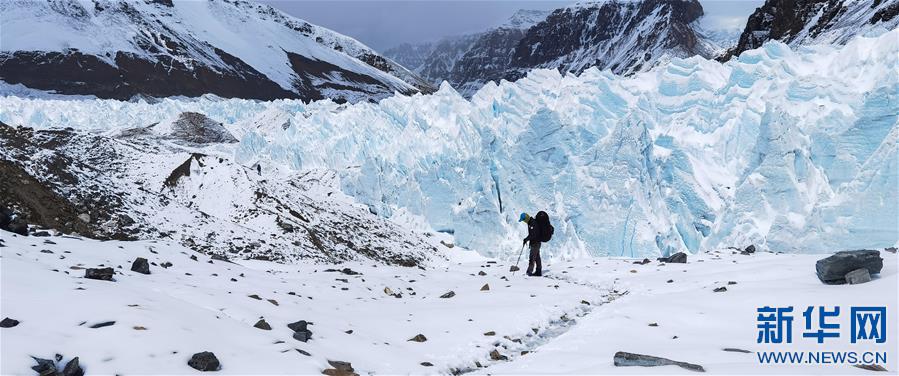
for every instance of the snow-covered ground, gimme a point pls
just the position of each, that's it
(571, 321)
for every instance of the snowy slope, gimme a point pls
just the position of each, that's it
(793, 151)
(234, 49)
(797, 22)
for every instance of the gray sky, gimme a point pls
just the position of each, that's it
(384, 24)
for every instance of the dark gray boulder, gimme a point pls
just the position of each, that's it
(261, 324)
(302, 335)
(103, 274)
(8, 323)
(677, 258)
(626, 359)
(833, 269)
(204, 361)
(749, 250)
(858, 276)
(298, 326)
(44, 367)
(141, 265)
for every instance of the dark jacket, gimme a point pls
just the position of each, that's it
(533, 231)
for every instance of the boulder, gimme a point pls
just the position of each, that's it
(495, 355)
(103, 274)
(418, 338)
(626, 359)
(833, 269)
(298, 326)
(204, 361)
(261, 324)
(486, 287)
(302, 335)
(748, 250)
(141, 265)
(677, 258)
(340, 369)
(448, 295)
(45, 367)
(8, 323)
(858, 276)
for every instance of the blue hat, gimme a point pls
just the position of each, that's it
(524, 217)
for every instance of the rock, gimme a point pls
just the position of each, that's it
(654, 324)
(890, 249)
(748, 250)
(495, 355)
(677, 258)
(626, 359)
(418, 338)
(273, 301)
(448, 295)
(302, 335)
(261, 324)
(670, 281)
(8, 323)
(197, 128)
(490, 333)
(204, 361)
(858, 276)
(731, 282)
(731, 349)
(298, 326)
(720, 289)
(340, 369)
(45, 367)
(102, 324)
(141, 265)
(644, 262)
(584, 302)
(103, 274)
(513, 268)
(871, 367)
(304, 352)
(833, 269)
(486, 287)
(481, 273)
(427, 364)
(73, 368)
(254, 296)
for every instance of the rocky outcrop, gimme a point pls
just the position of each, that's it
(834, 269)
(626, 359)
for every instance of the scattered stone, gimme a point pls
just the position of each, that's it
(340, 369)
(670, 281)
(677, 258)
(731, 349)
(8, 323)
(858, 276)
(102, 324)
(141, 265)
(261, 324)
(204, 361)
(490, 333)
(298, 326)
(720, 289)
(481, 273)
(514, 268)
(254, 296)
(525, 352)
(833, 269)
(193, 257)
(166, 265)
(418, 338)
(139, 328)
(300, 330)
(890, 249)
(304, 352)
(46, 251)
(448, 295)
(626, 359)
(349, 331)
(644, 262)
(871, 367)
(749, 250)
(486, 287)
(103, 274)
(273, 301)
(427, 364)
(654, 324)
(495, 355)
(302, 336)
(584, 302)
(731, 282)
(73, 368)
(45, 367)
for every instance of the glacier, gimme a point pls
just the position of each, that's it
(789, 149)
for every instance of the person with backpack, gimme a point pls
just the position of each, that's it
(539, 230)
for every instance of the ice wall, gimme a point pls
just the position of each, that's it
(790, 150)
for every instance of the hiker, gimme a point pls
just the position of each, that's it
(539, 230)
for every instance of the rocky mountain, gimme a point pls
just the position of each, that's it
(177, 181)
(623, 36)
(122, 48)
(815, 21)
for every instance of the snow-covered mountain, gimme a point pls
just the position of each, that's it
(797, 22)
(623, 36)
(122, 48)
(790, 150)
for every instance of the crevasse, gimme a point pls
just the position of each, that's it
(790, 150)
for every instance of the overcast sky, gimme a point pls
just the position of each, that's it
(384, 24)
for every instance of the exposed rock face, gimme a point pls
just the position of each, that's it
(199, 129)
(626, 359)
(833, 269)
(815, 21)
(175, 55)
(858, 276)
(129, 188)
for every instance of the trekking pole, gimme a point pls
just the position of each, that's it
(515, 268)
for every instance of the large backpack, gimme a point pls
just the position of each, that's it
(546, 229)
